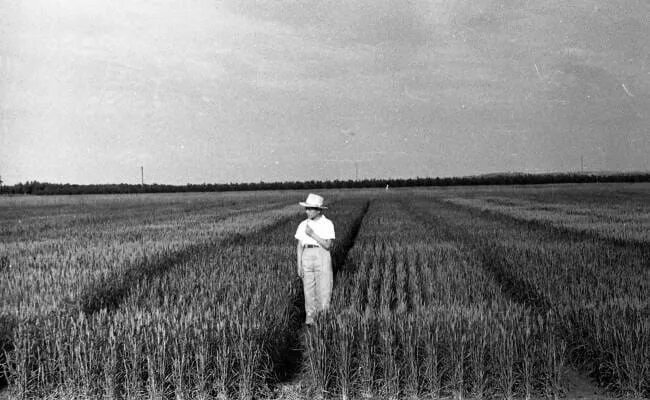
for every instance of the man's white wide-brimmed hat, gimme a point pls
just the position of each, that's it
(313, 201)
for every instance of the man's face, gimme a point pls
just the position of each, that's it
(312, 212)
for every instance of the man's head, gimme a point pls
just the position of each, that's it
(313, 213)
(313, 205)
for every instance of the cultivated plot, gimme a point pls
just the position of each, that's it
(465, 292)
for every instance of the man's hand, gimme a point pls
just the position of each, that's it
(309, 231)
(300, 271)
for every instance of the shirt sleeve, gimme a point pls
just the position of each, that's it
(329, 231)
(300, 232)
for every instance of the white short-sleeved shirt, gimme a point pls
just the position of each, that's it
(322, 226)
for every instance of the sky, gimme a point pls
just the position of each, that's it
(224, 91)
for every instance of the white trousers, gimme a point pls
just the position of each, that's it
(317, 281)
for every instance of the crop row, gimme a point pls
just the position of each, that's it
(611, 222)
(41, 218)
(625, 196)
(221, 322)
(52, 272)
(596, 288)
(37, 275)
(411, 317)
(478, 296)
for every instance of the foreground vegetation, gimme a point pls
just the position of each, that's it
(484, 292)
(65, 256)
(200, 322)
(413, 317)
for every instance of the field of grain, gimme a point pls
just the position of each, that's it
(474, 292)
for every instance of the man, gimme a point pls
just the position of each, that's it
(315, 235)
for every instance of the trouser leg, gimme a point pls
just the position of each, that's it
(309, 288)
(317, 281)
(324, 280)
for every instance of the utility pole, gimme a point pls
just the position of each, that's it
(142, 175)
(582, 164)
(356, 169)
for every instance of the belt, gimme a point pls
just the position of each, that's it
(310, 246)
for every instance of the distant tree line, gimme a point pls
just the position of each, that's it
(44, 188)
